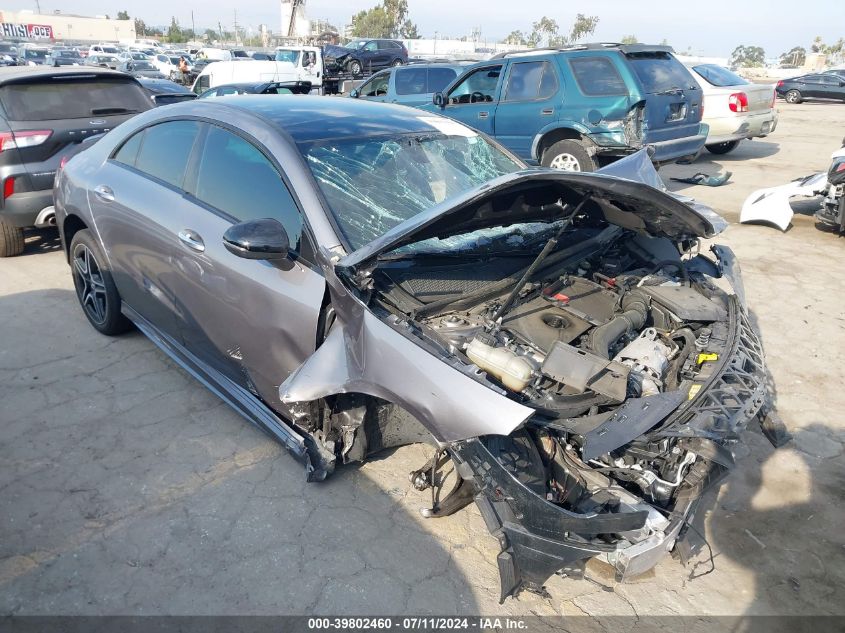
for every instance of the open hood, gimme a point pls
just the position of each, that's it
(624, 202)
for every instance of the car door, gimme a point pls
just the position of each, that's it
(252, 320)
(386, 54)
(138, 204)
(530, 101)
(410, 86)
(472, 100)
(369, 55)
(832, 87)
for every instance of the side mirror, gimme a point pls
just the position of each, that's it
(439, 99)
(354, 94)
(258, 239)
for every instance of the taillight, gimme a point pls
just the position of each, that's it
(8, 187)
(63, 162)
(738, 102)
(780, 83)
(27, 138)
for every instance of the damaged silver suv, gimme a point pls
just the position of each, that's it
(353, 276)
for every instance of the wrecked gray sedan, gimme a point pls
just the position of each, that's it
(353, 276)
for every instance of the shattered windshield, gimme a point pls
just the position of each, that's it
(374, 184)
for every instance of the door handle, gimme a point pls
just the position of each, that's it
(192, 240)
(104, 193)
(483, 115)
(547, 111)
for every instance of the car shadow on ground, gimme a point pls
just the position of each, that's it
(41, 241)
(129, 488)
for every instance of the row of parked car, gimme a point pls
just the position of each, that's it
(579, 108)
(573, 109)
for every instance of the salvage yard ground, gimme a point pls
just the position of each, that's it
(126, 487)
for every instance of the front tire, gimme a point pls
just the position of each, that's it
(793, 96)
(354, 67)
(568, 155)
(11, 240)
(94, 285)
(722, 148)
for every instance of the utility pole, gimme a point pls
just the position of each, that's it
(38, 6)
(193, 26)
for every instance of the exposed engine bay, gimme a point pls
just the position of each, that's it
(633, 367)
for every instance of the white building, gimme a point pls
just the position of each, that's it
(28, 26)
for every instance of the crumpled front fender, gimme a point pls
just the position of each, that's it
(363, 354)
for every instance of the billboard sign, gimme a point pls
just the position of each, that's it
(26, 31)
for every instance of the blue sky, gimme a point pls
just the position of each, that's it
(714, 27)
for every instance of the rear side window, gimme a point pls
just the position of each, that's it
(236, 178)
(529, 81)
(439, 78)
(411, 81)
(165, 150)
(718, 76)
(659, 72)
(72, 99)
(597, 77)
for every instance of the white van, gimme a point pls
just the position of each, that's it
(308, 61)
(215, 54)
(220, 73)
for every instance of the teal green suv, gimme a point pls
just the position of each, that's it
(579, 107)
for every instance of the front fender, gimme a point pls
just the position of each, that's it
(363, 354)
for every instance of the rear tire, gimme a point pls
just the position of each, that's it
(793, 96)
(95, 289)
(722, 148)
(568, 155)
(396, 62)
(11, 240)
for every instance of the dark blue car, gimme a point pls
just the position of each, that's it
(575, 108)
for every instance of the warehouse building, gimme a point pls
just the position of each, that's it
(28, 26)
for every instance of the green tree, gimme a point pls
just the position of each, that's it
(210, 35)
(122, 15)
(389, 19)
(371, 23)
(546, 32)
(796, 56)
(516, 38)
(140, 28)
(748, 57)
(630, 39)
(409, 31)
(174, 32)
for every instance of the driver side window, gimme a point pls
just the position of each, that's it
(477, 87)
(371, 47)
(376, 87)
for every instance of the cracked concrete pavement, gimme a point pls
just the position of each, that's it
(128, 488)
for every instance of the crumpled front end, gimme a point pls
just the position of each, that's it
(588, 386)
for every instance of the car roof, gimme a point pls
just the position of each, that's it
(309, 118)
(13, 74)
(162, 86)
